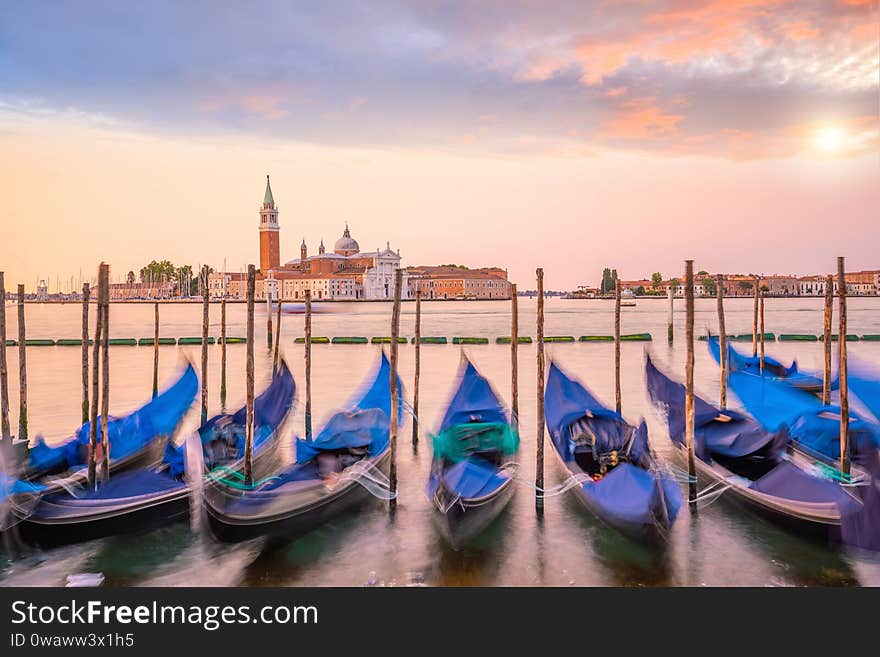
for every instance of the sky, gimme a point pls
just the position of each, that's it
(573, 136)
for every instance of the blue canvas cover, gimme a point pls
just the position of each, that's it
(471, 478)
(860, 527)
(773, 369)
(630, 494)
(790, 482)
(270, 408)
(864, 381)
(157, 418)
(726, 433)
(365, 423)
(814, 426)
(473, 401)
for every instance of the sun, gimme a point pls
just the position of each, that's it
(829, 139)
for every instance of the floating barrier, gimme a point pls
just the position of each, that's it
(427, 339)
(144, 342)
(11, 343)
(505, 339)
(871, 337)
(345, 339)
(39, 343)
(386, 340)
(233, 340)
(596, 338)
(798, 337)
(194, 341)
(71, 342)
(637, 337)
(463, 340)
(850, 337)
(747, 337)
(122, 342)
(558, 338)
(315, 340)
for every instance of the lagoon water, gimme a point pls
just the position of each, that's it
(722, 545)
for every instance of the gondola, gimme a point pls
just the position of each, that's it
(773, 369)
(732, 450)
(136, 440)
(814, 427)
(474, 461)
(332, 473)
(618, 478)
(147, 498)
(864, 382)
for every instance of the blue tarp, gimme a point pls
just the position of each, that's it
(861, 527)
(790, 482)
(473, 401)
(773, 369)
(470, 478)
(124, 484)
(864, 382)
(726, 433)
(365, 423)
(157, 418)
(630, 494)
(775, 404)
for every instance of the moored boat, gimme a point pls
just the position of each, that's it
(474, 459)
(616, 477)
(333, 472)
(773, 369)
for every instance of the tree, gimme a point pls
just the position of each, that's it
(656, 279)
(129, 278)
(675, 282)
(746, 285)
(640, 290)
(702, 272)
(765, 288)
(157, 271)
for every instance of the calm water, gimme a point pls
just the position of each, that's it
(722, 545)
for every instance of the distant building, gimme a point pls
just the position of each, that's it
(142, 291)
(447, 282)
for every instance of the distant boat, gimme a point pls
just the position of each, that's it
(289, 308)
(627, 298)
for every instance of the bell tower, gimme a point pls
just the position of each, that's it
(270, 251)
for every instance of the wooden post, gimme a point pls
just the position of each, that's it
(205, 322)
(395, 391)
(689, 382)
(96, 362)
(670, 293)
(539, 434)
(617, 401)
(308, 346)
(249, 381)
(275, 358)
(5, 432)
(268, 317)
(417, 342)
(843, 390)
(156, 350)
(105, 378)
(761, 329)
(722, 340)
(86, 292)
(223, 352)
(755, 319)
(514, 357)
(826, 337)
(22, 369)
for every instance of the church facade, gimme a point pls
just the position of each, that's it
(345, 273)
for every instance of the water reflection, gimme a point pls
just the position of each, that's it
(476, 563)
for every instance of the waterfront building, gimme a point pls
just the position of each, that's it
(452, 282)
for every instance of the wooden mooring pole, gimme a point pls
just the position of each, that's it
(5, 431)
(268, 318)
(155, 350)
(249, 381)
(689, 382)
(539, 434)
(223, 352)
(205, 323)
(514, 358)
(395, 390)
(722, 340)
(276, 356)
(86, 293)
(22, 369)
(826, 339)
(761, 329)
(96, 378)
(757, 288)
(617, 401)
(670, 332)
(843, 389)
(417, 340)
(308, 356)
(105, 377)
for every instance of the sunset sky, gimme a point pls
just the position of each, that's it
(518, 133)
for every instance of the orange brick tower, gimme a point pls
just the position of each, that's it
(270, 251)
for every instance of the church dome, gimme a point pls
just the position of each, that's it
(346, 245)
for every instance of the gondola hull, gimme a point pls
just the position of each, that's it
(461, 521)
(297, 513)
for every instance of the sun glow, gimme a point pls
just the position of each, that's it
(829, 139)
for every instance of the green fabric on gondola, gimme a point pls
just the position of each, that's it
(461, 440)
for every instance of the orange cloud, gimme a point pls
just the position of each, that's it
(643, 119)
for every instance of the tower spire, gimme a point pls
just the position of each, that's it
(267, 198)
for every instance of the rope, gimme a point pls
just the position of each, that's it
(366, 474)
